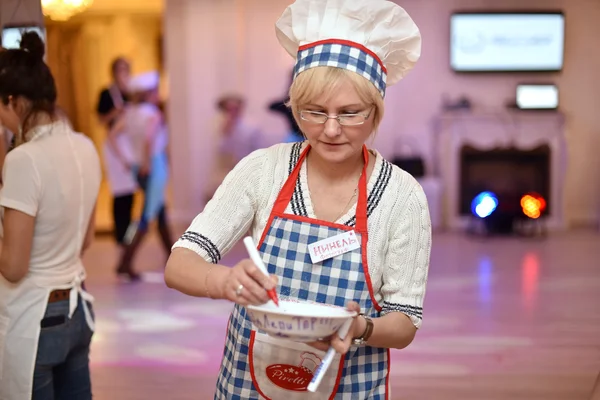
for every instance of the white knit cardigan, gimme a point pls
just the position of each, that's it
(398, 221)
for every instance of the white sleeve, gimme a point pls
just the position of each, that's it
(230, 213)
(21, 188)
(407, 260)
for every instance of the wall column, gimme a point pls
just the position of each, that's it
(199, 71)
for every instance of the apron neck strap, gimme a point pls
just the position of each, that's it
(361, 203)
(287, 191)
(285, 196)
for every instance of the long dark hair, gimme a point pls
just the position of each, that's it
(23, 73)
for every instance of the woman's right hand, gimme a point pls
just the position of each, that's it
(247, 285)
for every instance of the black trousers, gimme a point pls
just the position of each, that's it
(122, 215)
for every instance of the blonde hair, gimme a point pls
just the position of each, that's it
(318, 81)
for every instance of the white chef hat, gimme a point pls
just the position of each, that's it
(144, 82)
(374, 38)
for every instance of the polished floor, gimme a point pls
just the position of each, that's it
(504, 319)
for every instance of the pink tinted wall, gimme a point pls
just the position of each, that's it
(219, 46)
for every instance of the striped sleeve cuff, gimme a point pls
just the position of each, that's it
(414, 313)
(200, 244)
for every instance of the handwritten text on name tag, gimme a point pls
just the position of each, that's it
(333, 246)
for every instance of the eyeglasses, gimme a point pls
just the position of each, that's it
(317, 117)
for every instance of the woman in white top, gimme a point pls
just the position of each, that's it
(144, 128)
(51, 183)
(292, 196)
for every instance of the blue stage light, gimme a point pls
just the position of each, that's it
(484, 204)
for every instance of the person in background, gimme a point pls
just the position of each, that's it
(6, 139)
(123, 186)
(297, 197)
(51, 183)
(281, 106)
(236, 137)
(5, 144)
(143, 127)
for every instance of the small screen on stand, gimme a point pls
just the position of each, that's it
(11, 36)
(537, 97)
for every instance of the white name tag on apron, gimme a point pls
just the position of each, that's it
(333, 246)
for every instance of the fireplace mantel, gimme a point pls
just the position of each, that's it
(522, 130)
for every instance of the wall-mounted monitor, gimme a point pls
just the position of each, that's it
(537, 97)
(507, 42)
(11, 35)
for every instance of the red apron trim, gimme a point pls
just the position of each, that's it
(361, 204)
(365, 266)
(287, 191)
(338, 379)
(387, 377)
(250, 358)
(266, 230)
(313, 221)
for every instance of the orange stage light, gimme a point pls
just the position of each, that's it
(533, 205)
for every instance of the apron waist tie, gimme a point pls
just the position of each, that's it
(78, 290)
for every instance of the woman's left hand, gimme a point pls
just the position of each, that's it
(343, 345)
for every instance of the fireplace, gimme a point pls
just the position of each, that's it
(506, 152)
(507, 172)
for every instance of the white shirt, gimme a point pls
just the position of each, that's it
(138, 118)
(398, 221)
(121, 180)
(42, 178)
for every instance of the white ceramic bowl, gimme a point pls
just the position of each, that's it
(297, 320)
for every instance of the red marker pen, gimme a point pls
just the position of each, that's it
(255, 257)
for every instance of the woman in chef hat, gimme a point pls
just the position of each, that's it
(144, 126)
(293, 196)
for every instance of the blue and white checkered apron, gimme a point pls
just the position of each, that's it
(363, 374)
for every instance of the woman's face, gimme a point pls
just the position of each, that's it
(122, 74)
(332, 141)
(9, 118)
